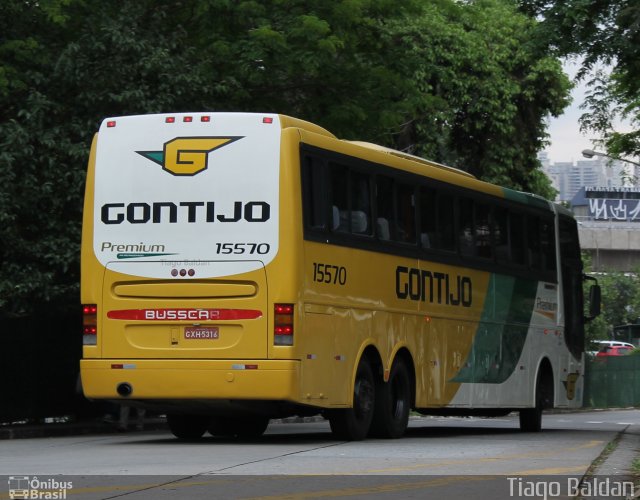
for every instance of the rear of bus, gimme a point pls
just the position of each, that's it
(181, 230)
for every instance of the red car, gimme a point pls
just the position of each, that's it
(614, 350)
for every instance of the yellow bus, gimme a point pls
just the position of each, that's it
(240, 267)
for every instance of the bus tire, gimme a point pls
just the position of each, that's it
(353, 424)
(188, 426)
(393, 403)
(531, 418)
(243, 428)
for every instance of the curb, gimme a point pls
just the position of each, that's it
(31, 431)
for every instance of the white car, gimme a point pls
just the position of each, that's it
(612, 343)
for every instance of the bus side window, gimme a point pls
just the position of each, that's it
(385, 224)
(465, 228)
(360, 203)
(482, 230)
(516, 238)
(446, 222)
(382, 228)
(340, 196)
(405, 212)
(315, 188)
(547, 245)
(533, 242)
(428, 218)
(501, 234)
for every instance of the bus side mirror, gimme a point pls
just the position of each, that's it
(595, 297)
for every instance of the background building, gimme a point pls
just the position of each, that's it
(569, 177)
(606, 202)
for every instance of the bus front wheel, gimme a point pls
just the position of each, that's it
(531, 418)
(353, 424)
(393, 402)
(188, 426)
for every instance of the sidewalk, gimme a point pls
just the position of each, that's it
(614, 477)
(620, 460)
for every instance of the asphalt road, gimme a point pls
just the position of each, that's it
(438, 458)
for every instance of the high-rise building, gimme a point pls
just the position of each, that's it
(569, 177)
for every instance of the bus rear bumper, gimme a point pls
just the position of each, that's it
(191, 379)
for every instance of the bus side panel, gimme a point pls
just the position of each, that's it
(346, 293)
(91, 271)
(329, 346)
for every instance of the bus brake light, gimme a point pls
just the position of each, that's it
(283, 324)
(89, 324)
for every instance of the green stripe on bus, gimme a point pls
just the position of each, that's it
(526, 199)
(502, 331)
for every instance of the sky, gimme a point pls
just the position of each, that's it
(567, 142)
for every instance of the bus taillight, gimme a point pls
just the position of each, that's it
(89, 324)
(283, 324)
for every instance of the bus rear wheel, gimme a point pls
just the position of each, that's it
(393, 402)
(188, 426)
(243, 428)
(353, 424)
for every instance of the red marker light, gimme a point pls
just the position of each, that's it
(284, 309)
(283, 324)
(205, 118)
(90, 309)
(170, 119)
(89, 324)
(267, 119)
(111, 123)
(187, 119)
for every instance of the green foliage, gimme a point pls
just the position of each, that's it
(608, 32)
(620, 303)
(474, 92)
(464, 83)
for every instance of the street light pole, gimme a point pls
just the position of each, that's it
(590, 153)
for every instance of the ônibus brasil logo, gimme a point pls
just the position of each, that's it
(187, 155)
(27, 487)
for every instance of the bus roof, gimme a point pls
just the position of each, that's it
(411, 157)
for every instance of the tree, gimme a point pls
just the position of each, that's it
(484, 87)
(607, 32)
(620, 304)
(464, 83)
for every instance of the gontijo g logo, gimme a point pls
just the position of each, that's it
(187, 155)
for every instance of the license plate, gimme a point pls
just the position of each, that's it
(201, 333)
